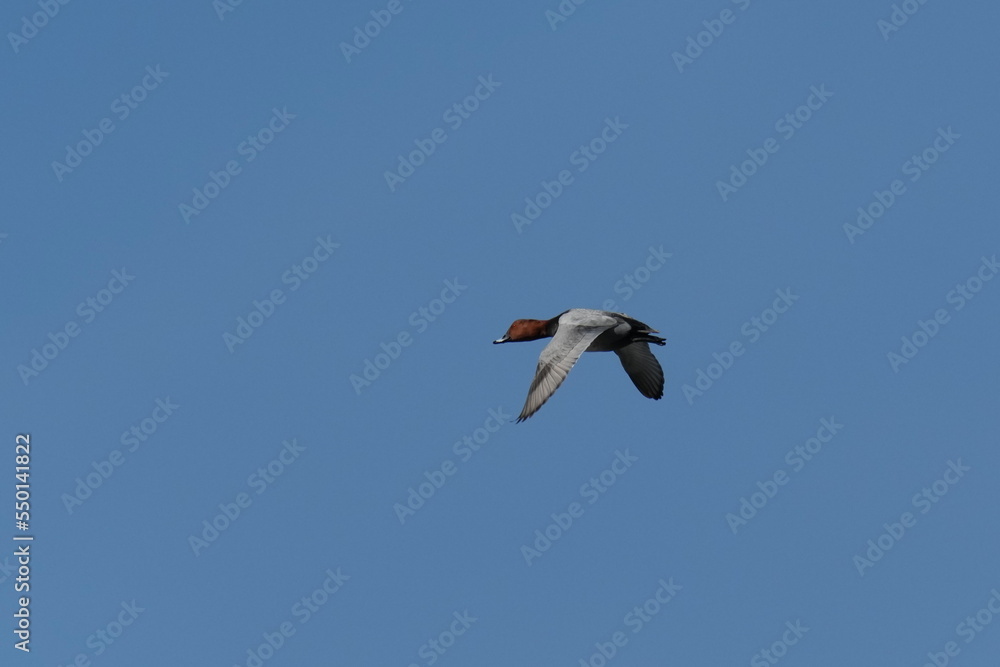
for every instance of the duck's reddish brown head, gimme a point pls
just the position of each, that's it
(522, 330)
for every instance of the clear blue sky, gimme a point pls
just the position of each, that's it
(214, 219)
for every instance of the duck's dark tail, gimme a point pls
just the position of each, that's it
(643, 333)
(649, 338)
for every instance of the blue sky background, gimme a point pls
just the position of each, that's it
(695, 456)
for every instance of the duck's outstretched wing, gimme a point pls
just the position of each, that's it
(643, 368)
(559, 357)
